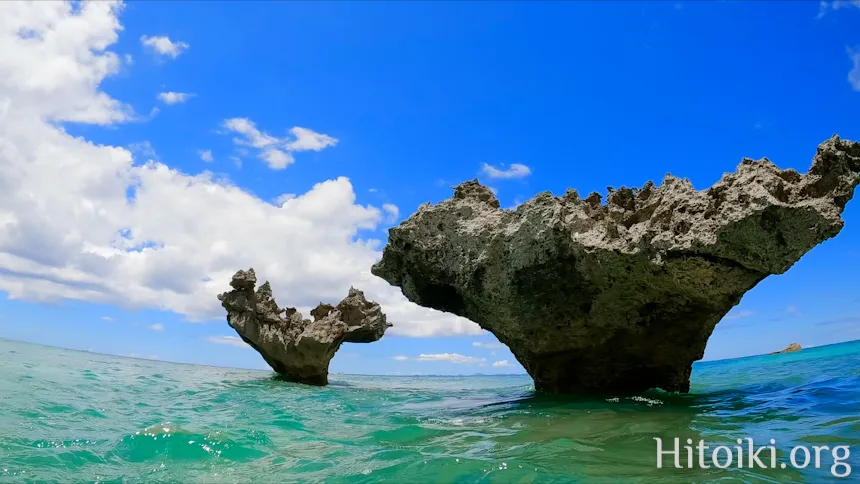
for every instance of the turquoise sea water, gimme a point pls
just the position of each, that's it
(70, 416)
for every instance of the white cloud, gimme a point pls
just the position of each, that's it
(739, 314)
(391, 211)
(277, 159)
(55, 69)
(487, 346)
(451, 358)
(93, 222)
(156, 327)
(276, 152)
(309, 140)
(206, 155)
(250, 134)
(228, 340)
(793, 310)
(501, 364)
(400, 358)
(107, 319)
(162, 44)
(171, 97)
(514, 170)
(854, 74)
(280, 200)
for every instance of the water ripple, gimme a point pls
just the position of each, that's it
(70, 416)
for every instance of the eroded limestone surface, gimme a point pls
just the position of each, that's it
(623, 296)
(297, 348)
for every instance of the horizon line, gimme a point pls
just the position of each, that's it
(3, 338)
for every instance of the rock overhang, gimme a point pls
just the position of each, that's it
(543, 277)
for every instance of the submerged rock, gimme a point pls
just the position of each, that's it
(299, 349)
(788, 349)
(622, 296)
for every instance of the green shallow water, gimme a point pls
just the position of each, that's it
(69, 416)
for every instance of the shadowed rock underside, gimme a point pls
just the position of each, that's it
(299, 349)
(617, 297)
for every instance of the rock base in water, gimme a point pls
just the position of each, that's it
(299, 349)
(618, 297)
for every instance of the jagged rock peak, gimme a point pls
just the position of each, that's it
(472, 189)
(620, 296)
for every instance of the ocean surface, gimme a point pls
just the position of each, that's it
(71, 416)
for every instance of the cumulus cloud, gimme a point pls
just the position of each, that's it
(400, 358)
(276, 152)
(161, 44)
(94, 222)
(283, 198)
(514, 170)
(501, 364)
(156, 327)
(53, 61)
(277, 159)
(250, 135)
(206, 155)
(171, 97)
(228, 340)
(308, 140)
(451, 358)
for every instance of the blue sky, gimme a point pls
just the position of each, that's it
(403, 100)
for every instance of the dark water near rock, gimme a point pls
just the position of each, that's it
(69, 416)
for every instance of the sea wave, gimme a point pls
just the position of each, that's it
(69, 416)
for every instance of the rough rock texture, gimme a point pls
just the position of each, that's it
(299, 349)
(617, 297)
(788, 349)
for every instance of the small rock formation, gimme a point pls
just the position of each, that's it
(788, 349)
(617, 297)
(297, 348)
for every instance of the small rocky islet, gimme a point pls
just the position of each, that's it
(299, 349)
(590, 297)
(788, 349)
